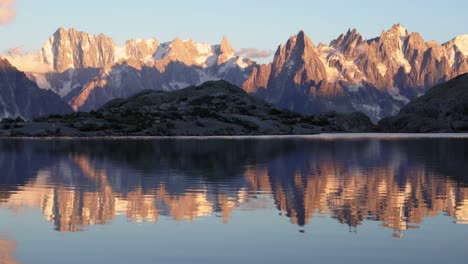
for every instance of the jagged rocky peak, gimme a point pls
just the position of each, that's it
(70, 49)
(350, 36)
(390, 50)
(457, 53)
(303, 42)
(294, 50)
(415, 41)
(225, 47)
(299, 59)
(414, 49)
(226, 52)
(193, 53)
(396, 35)
(438, 51)
(299, 49)
(187, 52)
(348, 43)
(461, 43)
(139, 49)
(399, 30)
(393, 38)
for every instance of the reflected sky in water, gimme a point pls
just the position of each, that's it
(358, 199)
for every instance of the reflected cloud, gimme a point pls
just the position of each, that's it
(77, 184)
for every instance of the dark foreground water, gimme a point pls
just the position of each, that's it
(327, 199)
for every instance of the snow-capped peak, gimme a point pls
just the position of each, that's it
(461, 42)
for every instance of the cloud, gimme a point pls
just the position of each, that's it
(255, 53)
(7, 11)
(26, 61)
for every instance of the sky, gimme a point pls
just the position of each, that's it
(260, 24)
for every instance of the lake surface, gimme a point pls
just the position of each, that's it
(322, 199)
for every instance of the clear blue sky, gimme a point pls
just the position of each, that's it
(262, 24)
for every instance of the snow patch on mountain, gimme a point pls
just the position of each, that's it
(67, 85)
(369, 109)
(382, 69)
(354, 88)
(116, 76)
(461, 42)
(395, 93)
(331, 58)
(241, 62)
(456, 46)
(326, 54)
(204, 51)
(402, 30)
(400, 58)
(162, 51)
(41, 81)
(233, 63)
(47, 51)
(120, 53)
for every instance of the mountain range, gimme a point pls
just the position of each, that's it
(376, 76)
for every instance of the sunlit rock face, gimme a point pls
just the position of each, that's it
(71, 49)
(370, 181)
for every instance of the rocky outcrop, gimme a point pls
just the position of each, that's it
(20, 97)
(443, 108)
(214, 108)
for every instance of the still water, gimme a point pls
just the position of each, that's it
(322, 199)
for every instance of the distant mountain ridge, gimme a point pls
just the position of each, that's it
(20, 97)
(377, 76)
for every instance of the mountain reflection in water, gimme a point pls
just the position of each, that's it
(79, 183)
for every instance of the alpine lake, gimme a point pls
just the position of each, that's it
(332, 198)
